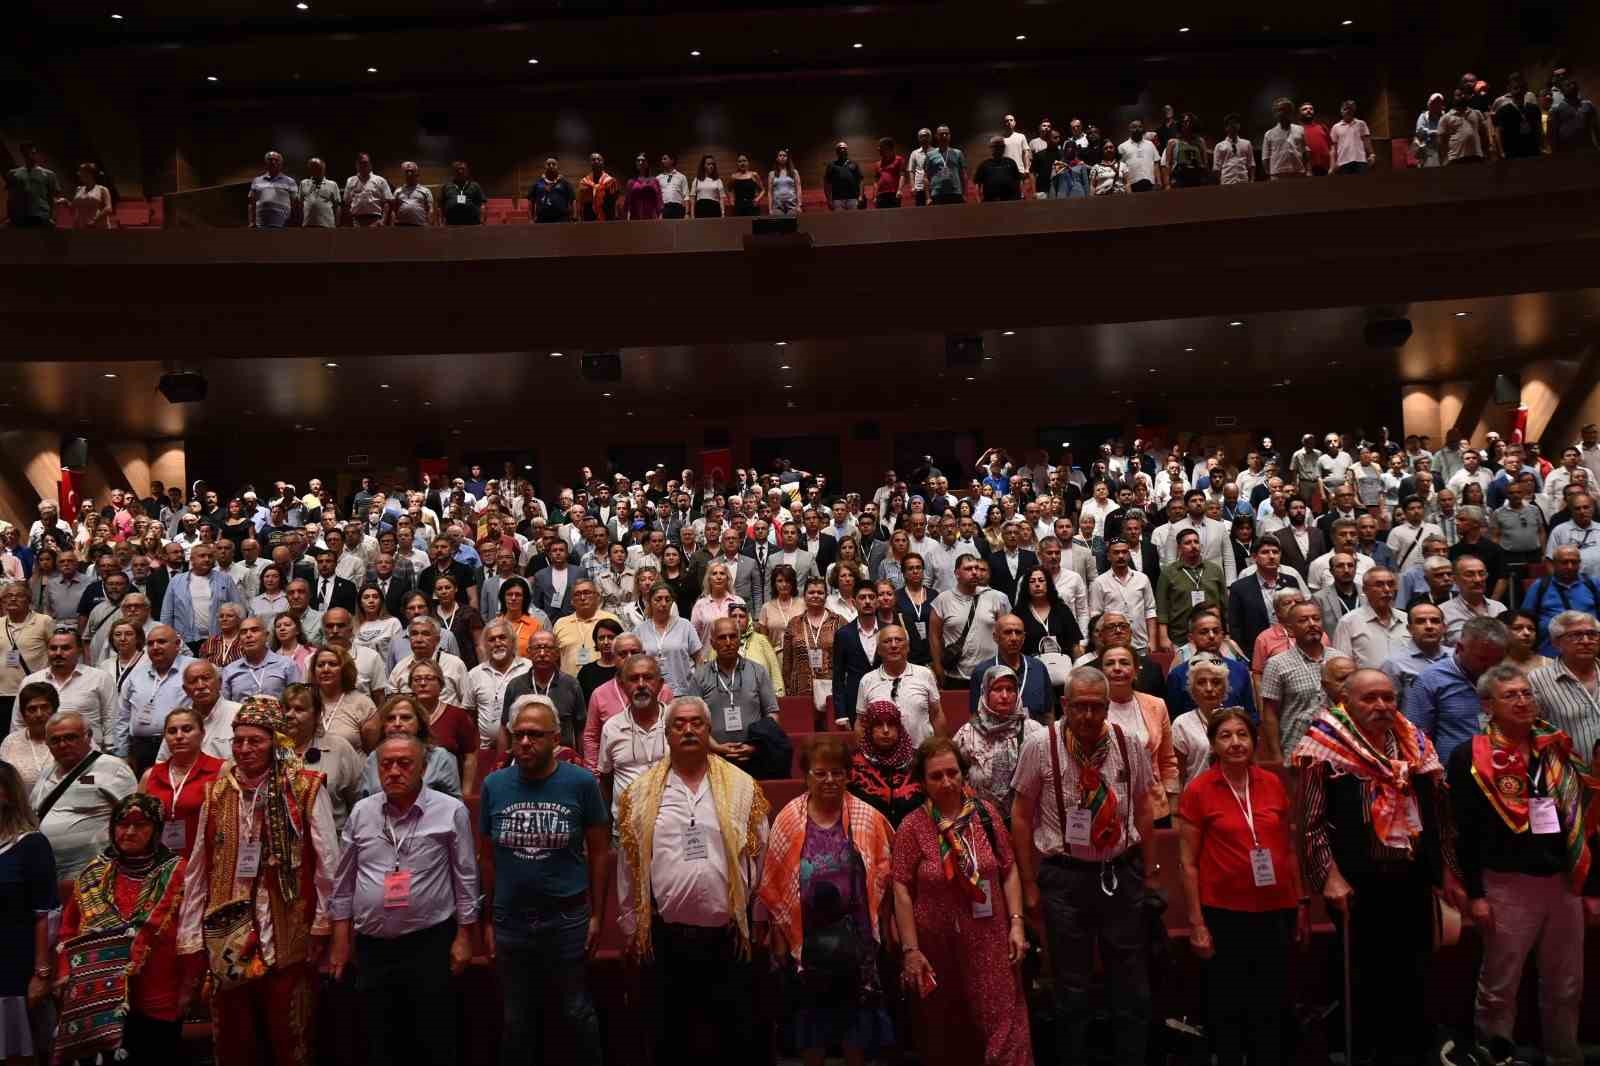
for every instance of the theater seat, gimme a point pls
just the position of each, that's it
(796, 714)
(957, 709)
(1162, 658)
(800, 740)
(779, 792)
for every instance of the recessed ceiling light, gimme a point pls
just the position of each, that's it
(211, 77)
(1235, 322)
(1009, 333)
(788, 386)
(988, 359)
(425, 403)
(858, 44)
(302, 6)
(1188, 349)
(372, 70)
(972, 379)
(108, 374)
(555, 355)
(782, 344)
(383, 386)
(1462, 314)
(785, 366)
(117, 18)
(533, 62)
(695, 53)
(1022, 36)
(1183, 29)
(331, 366)
(1348, 22)
(606, 394)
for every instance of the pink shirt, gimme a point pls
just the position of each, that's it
(1349, 144)
(608, 702)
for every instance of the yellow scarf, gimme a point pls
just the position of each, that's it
(741, 811)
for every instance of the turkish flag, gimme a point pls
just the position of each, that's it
(68, 495)
(1519, 425)
(716, 469)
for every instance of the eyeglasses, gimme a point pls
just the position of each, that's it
(532, 734)
(1582, 634)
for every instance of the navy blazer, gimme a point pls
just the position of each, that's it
(850, 665)
(1247, 611)
(544, 592)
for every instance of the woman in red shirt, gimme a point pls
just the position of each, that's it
(1246, 899)
(450, 726)
(180, 782)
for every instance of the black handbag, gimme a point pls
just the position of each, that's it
(833, 947)
(950, 657)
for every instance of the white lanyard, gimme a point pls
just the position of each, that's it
(39, 766)
(334, 710)
(814, 637)
(249, 814)
(533, 683)
(177, 786)
(731, 685)
(1244, 807)
(399, 845)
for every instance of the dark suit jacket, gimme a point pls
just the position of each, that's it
(544, 592)
(155, 589)
(1000, 575)
(394, 600)
(850, 665)
(1149, 562)
(341, 594)
(1247, 611)
(827, 551)
(1315, 546)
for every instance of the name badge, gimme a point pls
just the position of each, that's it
(814, 656)
(1542, 817)
(1079, 822)
(732, 720)
(144, 719)
(1197, 598)
(174, 834)
(249, 862)
(922, 631)
(695, 848)
(984, 908)
(583, 654)
(14, 659)
(461, 199)
(1261, 868)
(396, 889)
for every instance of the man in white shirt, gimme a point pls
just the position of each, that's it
(635, 739)
(486, 682)
(917, 168)
(1233, 158)
(84, 690)
(1471, 470)
(413, 201)
(202, 690)
(674, 188)
(910, 687)
(1069, 583)
(1589, 452)
(1334, 462)
(319, 197)
(366, 195)
(1016, 146)
(77, 821)
(1127, 592)
(423, 633)
(1405, 539)
(1371, 633)
(1469, 602)
(1283, 147)
(1141, 163)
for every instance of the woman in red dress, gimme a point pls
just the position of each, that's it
(180, 781)
(451, 727)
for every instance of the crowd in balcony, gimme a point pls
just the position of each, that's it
(264, 741)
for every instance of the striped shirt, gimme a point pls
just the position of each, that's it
(1566, 703)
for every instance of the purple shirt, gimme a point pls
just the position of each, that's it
(435, 845)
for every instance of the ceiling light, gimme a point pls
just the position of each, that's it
(972, 379)
(384, 386)
(302, 6)
(555, 355)
(1462, 314)
(1348, 22)
(695, 53)
(211, 77)
(1235, 322)
(425, 403)
(372, 70)
(1022, 36)
(1188, 349)
(117, 18)
(533, 62)
(785, 366)
(858, 44)
(331, 366)
(1009, 333)
(1183, 29)
(782, 344)
(108, 374)
(607, 395)
(788, 386)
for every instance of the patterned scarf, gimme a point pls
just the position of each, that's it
(898, 758)
(1386, 783)
(158, 874)
(1502, 774)
(283, 831)
(960, 864)
(1105, 827)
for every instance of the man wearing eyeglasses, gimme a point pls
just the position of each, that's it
(549, 830)
(74, 799)
(1567, 688)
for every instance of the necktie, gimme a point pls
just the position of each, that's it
(322, 600)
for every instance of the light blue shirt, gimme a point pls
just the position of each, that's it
(1403, 665)
(1443, 703)
(274, 674)
(1587, 541)
(145, 699)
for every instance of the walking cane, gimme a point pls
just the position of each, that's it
(1349, 1023)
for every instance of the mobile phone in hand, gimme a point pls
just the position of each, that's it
(926, 984)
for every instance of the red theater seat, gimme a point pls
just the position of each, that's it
(779, 792)
(957, 709)
(1162, 659)
(796, 714)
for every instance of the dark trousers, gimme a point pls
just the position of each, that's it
(886, 199)
(1080, 917)
(1357, 167)
(544, 968)
(145, 1040)
(952, 683)
(672, 211)
(949, 198)
(1391, 940)
(704, 996)
(407, 996)
(921, 197)
(1142, 185)
(1252, 952)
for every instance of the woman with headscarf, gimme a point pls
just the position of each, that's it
(753, 645)
(256, 890)
(880, 767)
(119, 947)
(993, 737)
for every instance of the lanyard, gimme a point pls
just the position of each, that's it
(533, 683)
(1245, 808)
(731, 685)
(177, 786)
(399, 844)
(249, 813)
(814, 637)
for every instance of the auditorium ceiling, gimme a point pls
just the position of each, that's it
(1269, 358)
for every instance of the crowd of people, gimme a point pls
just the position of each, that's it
(1059, 162)
(259, 738)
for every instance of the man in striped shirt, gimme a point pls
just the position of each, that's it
(1568, 690)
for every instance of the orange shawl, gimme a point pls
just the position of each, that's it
(780, 876)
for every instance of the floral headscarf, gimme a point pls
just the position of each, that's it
(150, 807)
(879, 712)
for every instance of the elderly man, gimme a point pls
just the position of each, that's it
(545, 678)
(1206, 638)
(86, 690)
(150, 690)
(487, 682)
(611, 699)
(405, 904)
(574, 632)
(372, 676)
(1518, 800)
(1369, 634)
(1579, 531)
(192, 600)
(264, 856)
(1035, 692)
(298, 592)
(423, 634)
(1443, 703)
(259, 671)
(738, 692)
(1291, 685)
(109, 607)
(1566, 588)
(693, 831)
(1369, 797)
(202, 690)
(635, 739)
(1423, 646)
(1566, 689)
(63, 590)
(1470, 601)
(73, 799)
(1084, 882)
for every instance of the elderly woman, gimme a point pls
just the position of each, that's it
(714, 603)
(669, 639)
(27, 898)
(844, 581)
(22, 643)
(993, 737)
(346, 712)
(1113, 630)
(1246, 899)
(222, 648)
(880, 767)
(327, 753)
(958, 907)
(25, 748)
(1143, 718)
(784, 606)
(753, 645)
(825, 885)
(450, 727)
(124, 644)
(808, 646)
(179, 783)
(1191, 744)
(402, 716)
(289, 641)
(126, 900)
